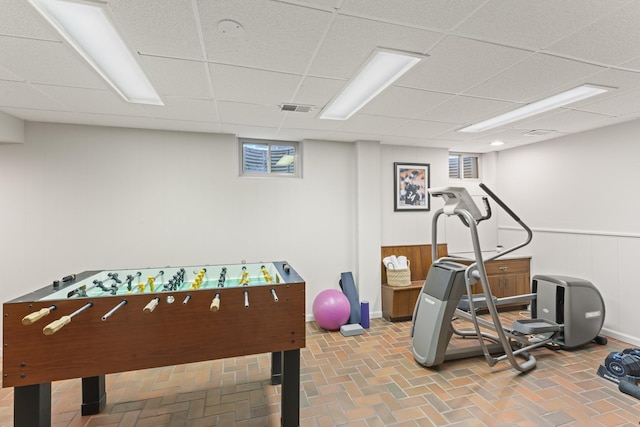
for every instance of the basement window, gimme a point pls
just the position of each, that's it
(464, 166)
(263, 157)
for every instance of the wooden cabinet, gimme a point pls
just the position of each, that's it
(507, 277)
(398, 302)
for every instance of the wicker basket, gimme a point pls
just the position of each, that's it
(401, 277)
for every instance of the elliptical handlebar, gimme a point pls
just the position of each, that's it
(497, 199)
(513, 215)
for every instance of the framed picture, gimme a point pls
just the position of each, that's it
(411, 181)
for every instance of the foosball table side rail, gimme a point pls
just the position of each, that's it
(107, 335)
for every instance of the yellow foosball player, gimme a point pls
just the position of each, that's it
(267, 276)
(244, 278)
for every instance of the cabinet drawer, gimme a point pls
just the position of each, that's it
(508, 266)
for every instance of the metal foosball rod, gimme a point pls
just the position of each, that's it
(114, 309)
(56, 325)
(186, 299)
(275, 296)
(37, 315)
(215, 303)
(246, 299)
(152, 305)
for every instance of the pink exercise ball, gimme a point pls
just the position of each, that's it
(331, 309)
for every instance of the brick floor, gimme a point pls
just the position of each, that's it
(369, 380)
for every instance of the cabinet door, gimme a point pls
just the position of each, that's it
(515, 284)
(497, 286)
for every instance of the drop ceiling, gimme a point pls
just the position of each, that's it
(226, 66)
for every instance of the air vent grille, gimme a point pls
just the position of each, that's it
(296, 108)
(538, 132)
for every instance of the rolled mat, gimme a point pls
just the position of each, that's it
(364, 314)
(348, 287)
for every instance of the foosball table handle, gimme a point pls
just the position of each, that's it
(152, 305)
(56, 325)
(215, 303)
(35, 316)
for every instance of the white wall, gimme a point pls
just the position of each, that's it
(11, 129)
(77, 198)
(578, 194)
(414, 228)
(409, 228)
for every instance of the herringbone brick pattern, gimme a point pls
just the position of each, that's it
(369, 380)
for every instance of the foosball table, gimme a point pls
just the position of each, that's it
(100, 322)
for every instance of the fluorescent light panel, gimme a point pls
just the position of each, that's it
(88, 27)
(383, 68)
(573, 95)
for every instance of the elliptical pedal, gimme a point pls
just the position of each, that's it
(534, 326)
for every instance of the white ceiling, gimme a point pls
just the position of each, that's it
(485, 57)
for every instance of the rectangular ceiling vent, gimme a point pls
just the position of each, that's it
(538, 132)
(296, 107)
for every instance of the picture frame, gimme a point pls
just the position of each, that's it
(411, 181)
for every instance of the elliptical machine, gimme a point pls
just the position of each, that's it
(567, 312)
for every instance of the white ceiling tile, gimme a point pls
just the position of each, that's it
(317, 91)
(92, 100)
(250, 131)
(197, 110)
(47, 62)
(253, 86)
(136, 122)
(454, 135)
(536, 75)
(354, 136)
(365, 123)
(565, 121)
(301, 134)
(237, 113)
(188, 126)
(424, 129)
(483, 60)
(23, 95)
(159, 27)
(276, 36)
(610, 40)
(328, 5)
(534, 24)
(404, 102)
(18, 18)
(310, 120)
(633, 64)
(351, 40)
(175, 77)
(8, 75)
(619, 81)
(436, 14)
(627, 104)
(507, 136)
(49, 116)
(416, 142)
(510, 137)
(466, 110)
(457, 64)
